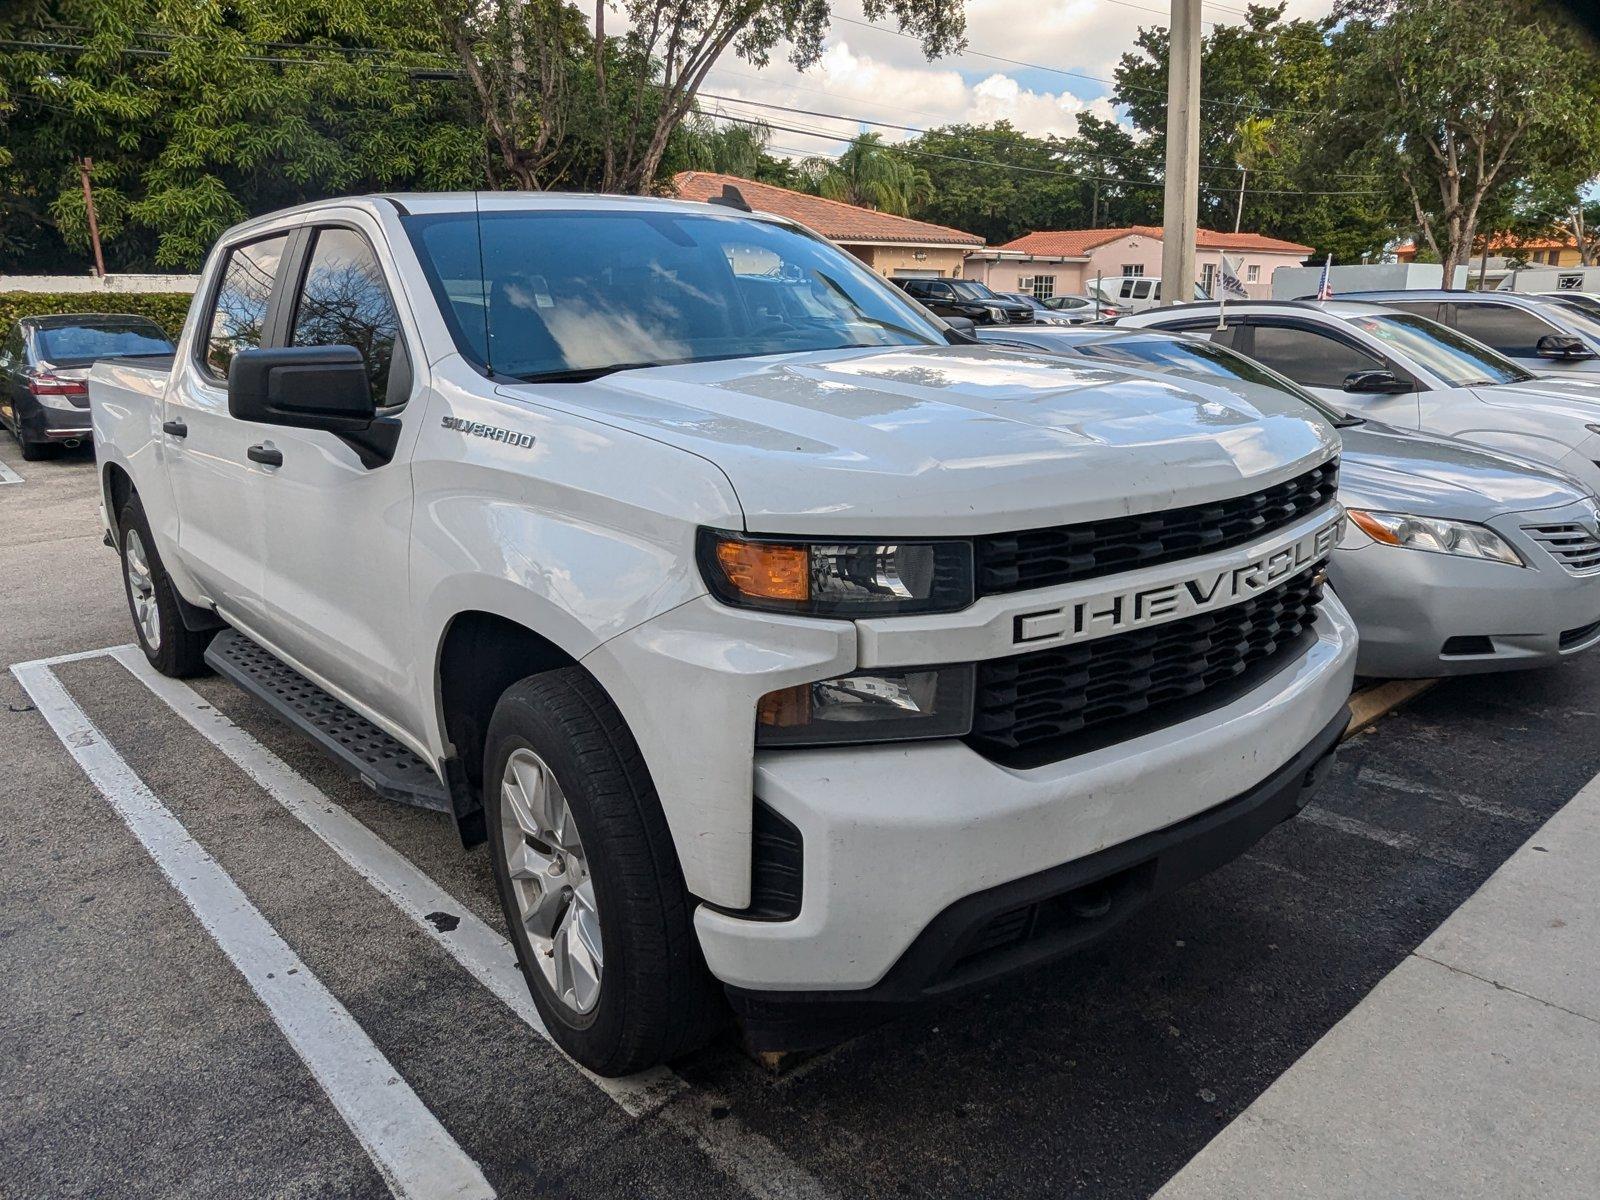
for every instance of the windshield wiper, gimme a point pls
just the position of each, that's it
(1345, 420)
(583, 374)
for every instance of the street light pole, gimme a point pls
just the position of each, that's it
(1181, 211)
(94, 225)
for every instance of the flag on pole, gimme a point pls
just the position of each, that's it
(1325, 285)
(1228, 281)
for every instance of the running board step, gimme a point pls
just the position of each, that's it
(382, 763)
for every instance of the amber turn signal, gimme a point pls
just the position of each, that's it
(766, 571)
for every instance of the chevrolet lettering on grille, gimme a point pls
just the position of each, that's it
(1121, 610)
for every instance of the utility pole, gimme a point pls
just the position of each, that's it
(1094, 221)
(94, 226)
(1238, 213)
(1181, 211)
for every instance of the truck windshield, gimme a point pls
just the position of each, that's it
(971, 289)
(1204, 358)
(1455, 358)
(570, 295)
(80, 343)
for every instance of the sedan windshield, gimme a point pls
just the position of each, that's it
(80, 343)
(1205, 358)
(567, 295)
(1453, 357)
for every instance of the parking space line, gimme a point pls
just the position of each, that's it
(411, 1149)
(1392, 838)
(7, 475)
(486, 955)
(747, 1158)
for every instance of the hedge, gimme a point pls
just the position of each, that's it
(166, 309)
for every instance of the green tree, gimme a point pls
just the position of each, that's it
(1455, 103)
(872, 175)
(199, 115)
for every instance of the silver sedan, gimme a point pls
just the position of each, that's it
(1455, 559)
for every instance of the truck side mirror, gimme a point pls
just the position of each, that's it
(308, 387)
(959, 331)
(1563, 346)
(1381, 383)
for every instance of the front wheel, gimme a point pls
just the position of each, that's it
(172, 648)
(590, 881)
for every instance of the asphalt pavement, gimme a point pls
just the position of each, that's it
(141, 1052)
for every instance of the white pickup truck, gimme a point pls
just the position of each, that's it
(788, 648)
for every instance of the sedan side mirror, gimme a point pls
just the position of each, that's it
(1563, 346)
(1381, 383)
(308, 387)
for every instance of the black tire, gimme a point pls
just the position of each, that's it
(656, 1001)
(178, 651)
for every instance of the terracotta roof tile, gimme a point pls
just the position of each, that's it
(1075, 243)
(832, 219)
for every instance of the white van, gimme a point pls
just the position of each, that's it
(1133, 293)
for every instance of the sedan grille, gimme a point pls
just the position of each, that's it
(1042, 706)
(1036, 558)
(1575, 547)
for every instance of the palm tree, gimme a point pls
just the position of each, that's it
(872, 175)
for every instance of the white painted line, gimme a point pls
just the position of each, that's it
(1394, 783)
(416, 1156)
(747, 1158)
(76, 656)
(486, 955)
(1392, 838)
(7, 475)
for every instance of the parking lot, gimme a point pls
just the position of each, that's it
(143, 1012)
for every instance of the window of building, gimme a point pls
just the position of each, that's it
(1252, 274)
(1040, 287)
(239, 312)
(1208, 275)
(1132, 269)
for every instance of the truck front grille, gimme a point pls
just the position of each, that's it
(1042, 706)
(1036, 558)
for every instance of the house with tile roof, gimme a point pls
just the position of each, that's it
(1062, 261)
(895, 247)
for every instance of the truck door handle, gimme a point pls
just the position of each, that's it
(265, 455)
(175, 428)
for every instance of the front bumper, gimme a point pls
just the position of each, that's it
(895, 835)
(1423, 614)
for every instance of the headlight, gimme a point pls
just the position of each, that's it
(996, 314)
(869, 706)
(1429, 533)
(837, 579)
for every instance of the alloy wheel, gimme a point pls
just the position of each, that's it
(142, 590)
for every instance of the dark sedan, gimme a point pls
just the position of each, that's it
(44, 367)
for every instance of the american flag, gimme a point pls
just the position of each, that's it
(1325, 285)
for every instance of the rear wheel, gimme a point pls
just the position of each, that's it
(172, 648)
(589, 879)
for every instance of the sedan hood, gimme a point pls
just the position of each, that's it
(1392, 470)
(951, 440)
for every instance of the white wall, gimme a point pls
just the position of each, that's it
(92, 285)
(1291, 283)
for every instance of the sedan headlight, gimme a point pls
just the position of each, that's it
(1432, 534)
(837, 579)
(891, 705)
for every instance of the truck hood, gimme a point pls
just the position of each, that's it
(1570, 396)
(1393, 470)
(951, 440)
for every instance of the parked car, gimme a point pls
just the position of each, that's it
(1043, 314)
(1538, 334)
(1456, 559)
(532, 499)
(44, 365)
(1082, 307)
(1133, 293)
(1409, 372)
(1587, 303)
(966, 298)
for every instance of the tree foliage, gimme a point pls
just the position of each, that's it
(872, 175)
(1454, 103)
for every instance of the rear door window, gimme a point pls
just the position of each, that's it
(344, 301)
(1502, 327)
(1309, 357)
(239, 312)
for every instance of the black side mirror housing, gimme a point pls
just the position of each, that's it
(1381, 383)
(307, 387)
(1562, 346)
(960, 331)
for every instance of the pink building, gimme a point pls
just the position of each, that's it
(1065, 261)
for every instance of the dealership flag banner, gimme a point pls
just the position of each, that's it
(1230, 281)
(1325, 284)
